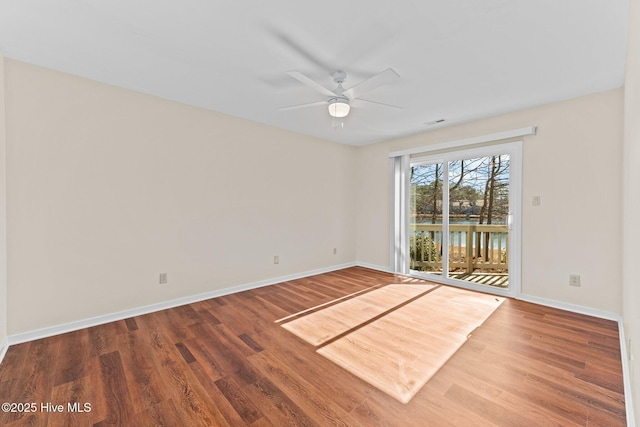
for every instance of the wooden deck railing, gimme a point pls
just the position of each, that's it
(471, 247)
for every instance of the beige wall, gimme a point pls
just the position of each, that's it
(108, 188)
(631, 284)
(3, 213)
(573, 163)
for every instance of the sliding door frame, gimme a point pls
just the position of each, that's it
(514, 150)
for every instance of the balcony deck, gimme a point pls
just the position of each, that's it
(477, 252)
(499, 280)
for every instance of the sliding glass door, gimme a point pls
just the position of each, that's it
(461, 213)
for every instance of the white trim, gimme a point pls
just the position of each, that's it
(125, 314)
(516, 174)
(376, 267)
(580, 309)
(4, 346)
(446, 233)
(626, 375)
(400, 214)
(513, 133)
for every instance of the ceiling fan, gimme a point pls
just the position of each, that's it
(340, 100)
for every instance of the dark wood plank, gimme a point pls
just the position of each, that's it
(277, 406)
(251, 343)
(240, 402)
(116, 391)
(184, 351)
(163, 414)
(147, 386)
(220, 400)
(131, 324)
(79, 393)
(311, 400)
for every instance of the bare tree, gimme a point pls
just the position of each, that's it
(497, 168)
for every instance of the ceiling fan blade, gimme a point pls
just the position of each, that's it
(387, 76)
(365, 103)
(296, 107)
(311, 83)
(304, 53)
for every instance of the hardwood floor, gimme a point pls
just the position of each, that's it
(226, 361)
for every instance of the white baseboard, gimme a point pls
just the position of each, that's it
(125, 314)
(626, 375)
(570, 307)
(4, 346)
(375, 267)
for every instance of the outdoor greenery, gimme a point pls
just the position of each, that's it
(422, 247)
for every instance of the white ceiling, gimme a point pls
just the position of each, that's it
(459, 60)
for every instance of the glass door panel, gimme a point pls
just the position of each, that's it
(425, 218)
(478, 213)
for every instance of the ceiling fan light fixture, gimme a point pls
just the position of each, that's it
(339, 107)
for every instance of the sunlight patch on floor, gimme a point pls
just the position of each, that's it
(318, 327)
(399, 351)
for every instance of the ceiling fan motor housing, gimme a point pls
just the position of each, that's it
(339, 76)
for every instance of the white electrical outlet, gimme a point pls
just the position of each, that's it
(574, 280)
(535, 201)
(276, 259)
(163, 278)
(335, 251)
